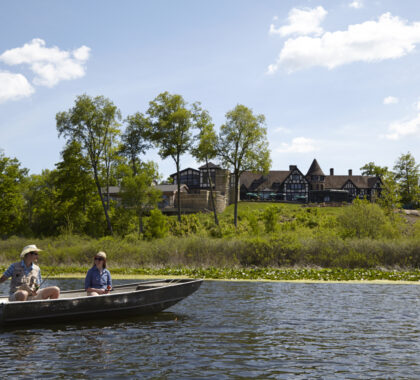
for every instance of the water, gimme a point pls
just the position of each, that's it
(236, 330)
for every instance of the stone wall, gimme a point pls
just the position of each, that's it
(201, 201)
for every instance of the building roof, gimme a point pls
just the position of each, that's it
(315, 169)
(170, 188)
(183, 170)
(211, 166)
(258, 182)
(360, 181)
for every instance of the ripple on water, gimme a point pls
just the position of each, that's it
(233, 330)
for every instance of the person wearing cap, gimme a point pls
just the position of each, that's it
(26, 278)
(98, 278)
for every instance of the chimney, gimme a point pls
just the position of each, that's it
(292, 167)
(332, 171)
(350, 172)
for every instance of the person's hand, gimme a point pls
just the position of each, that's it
(34, 293)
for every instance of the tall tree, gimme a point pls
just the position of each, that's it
(407, 174)
(205, 147)
(135, 139)
(138, 192)
(76, 189)
(243, 146)
(92, 122)
(12, 177)
(170, 130)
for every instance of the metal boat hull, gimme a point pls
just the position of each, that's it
(125, 300)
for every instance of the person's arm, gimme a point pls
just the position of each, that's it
(88, 284)
(7, 274)
(109, 280)
(88, 280)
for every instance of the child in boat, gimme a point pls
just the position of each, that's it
(26, 278)
(98, 278)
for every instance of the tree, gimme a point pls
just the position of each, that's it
(12, 177)
(407, 174)
(170, 130)
(243, 146)
(138, 192)
(43, 211)
(75, 186)
(390, 198)
(92, 122)
(205, 148)
(135, 139)
(374, 170)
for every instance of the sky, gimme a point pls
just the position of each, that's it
(337, 80)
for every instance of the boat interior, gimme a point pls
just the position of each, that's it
(118, 289)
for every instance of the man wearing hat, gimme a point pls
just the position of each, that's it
(26, 278)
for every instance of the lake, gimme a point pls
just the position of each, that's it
(237, 330)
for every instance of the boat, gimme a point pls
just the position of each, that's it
(123, 300)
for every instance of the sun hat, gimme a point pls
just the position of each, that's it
(29, 248)
(101, 254)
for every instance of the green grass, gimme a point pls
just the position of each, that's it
(269, 235)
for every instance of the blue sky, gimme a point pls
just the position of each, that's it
(337, 80)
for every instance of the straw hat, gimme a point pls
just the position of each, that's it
(101, 254)
(29, 248)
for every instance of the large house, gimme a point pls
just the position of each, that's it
(315, 186)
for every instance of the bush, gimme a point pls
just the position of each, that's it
(362, 219)
(156, 226)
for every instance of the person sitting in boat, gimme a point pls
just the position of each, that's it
(26, 278)
(98, 278)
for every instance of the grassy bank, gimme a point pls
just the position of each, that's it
(356, 242)
(272, 274)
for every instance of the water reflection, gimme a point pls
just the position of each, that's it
(235, 330)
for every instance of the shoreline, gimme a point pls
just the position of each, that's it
(303, 281)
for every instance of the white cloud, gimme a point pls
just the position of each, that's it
(401, 129)
(356, 4)
(388, 38)
(391, 100)
(302, 21)
(298, 145)
(14, 86)
(51, 65)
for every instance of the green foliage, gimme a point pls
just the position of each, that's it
(138, 192)
(407, 174)
(170, 129)
(12, 203)
(190, 224)
(270, 216)
(93, 123)
(135, 139)
(374, 170)
(156, 226)
(362, 219)
(242, 145)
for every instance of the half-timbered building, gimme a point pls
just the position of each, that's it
(285, 185)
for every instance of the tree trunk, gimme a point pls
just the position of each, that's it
(211, 194)
(140, 223)
(235, 197)
(108, 221)
(178, 180)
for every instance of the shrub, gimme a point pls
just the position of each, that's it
(156, 226)
(362, 219)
